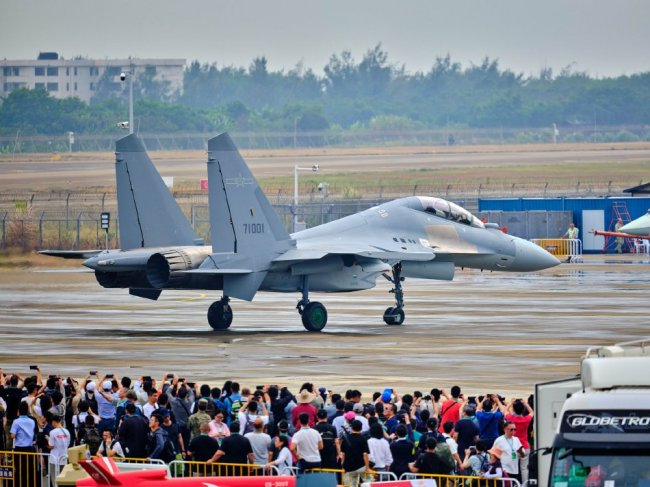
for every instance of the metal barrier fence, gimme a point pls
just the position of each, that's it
(27, 469)
(568, 248)
(461, 480)
(183, 468)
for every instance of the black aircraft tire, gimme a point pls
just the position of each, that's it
(388, 316)
(314, 316)
(220, 315)
(394, 316)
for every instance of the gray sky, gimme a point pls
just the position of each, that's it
(601, 37)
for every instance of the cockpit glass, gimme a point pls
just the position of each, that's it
(450, 211)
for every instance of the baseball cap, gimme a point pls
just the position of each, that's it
(322, 390)
(349, 416)
(90, 387)
(107, 385)
(164, 412)
(357, 408)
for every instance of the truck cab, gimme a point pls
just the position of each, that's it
(603, 432)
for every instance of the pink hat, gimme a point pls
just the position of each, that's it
(349, 415)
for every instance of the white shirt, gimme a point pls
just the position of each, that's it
(284, 462)
(117, 449)
(509, 457)
(306, 441)
(380, 453)
(59, 440)
(149, 408)
(453, 446)
(241, 417)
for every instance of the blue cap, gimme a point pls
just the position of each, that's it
(386, 395)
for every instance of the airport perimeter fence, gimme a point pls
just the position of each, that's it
(75, 229)
(333, 138)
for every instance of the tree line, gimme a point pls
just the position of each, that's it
(370, 94)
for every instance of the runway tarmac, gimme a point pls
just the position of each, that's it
(483, 331)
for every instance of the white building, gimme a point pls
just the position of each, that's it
(80, 78)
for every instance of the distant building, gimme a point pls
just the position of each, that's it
(64, 78)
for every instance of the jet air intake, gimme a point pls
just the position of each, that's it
(164, 268)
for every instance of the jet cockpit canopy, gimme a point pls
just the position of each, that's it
(450, 211)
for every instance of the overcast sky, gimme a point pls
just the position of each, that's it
(602, 37)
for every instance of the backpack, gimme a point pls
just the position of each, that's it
(169, 452)
(248, 426)
(234, 409)
(444, 453)
(92, 439)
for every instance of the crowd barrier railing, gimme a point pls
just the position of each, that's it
(185, 468)
(461, 480)
(569, 249)
(27, 469)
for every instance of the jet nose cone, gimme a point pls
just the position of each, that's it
(531, 257)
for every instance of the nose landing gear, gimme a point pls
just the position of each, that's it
(395, 314)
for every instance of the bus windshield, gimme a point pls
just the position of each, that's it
(600, 467)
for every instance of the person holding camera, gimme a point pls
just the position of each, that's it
(254, 408)
(521, 415)
(489, 413)
(476, 459)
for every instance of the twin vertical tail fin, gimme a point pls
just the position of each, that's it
(244, 225)
(242, 219)
(149, 216)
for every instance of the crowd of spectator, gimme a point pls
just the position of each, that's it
(175, 419)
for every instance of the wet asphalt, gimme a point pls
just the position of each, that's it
(484, 331)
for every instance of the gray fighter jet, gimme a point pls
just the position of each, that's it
(418, 236)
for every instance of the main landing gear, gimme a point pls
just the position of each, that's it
(220, 314)
(395, 314)
(314, 314)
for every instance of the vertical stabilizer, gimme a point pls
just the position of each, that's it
(148, 213)
(242, 219)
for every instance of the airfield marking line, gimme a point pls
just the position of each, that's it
(195, 298)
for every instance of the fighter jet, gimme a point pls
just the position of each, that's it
(417, 236)
(639, 228)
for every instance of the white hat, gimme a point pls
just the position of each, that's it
(107, 385)
(90, 387)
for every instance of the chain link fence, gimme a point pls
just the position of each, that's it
(73, 228)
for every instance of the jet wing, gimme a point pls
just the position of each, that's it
(370, 252)
(71, 254)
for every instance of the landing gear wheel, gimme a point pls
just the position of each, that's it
(394, 316)
(314, 316)
(220, 314)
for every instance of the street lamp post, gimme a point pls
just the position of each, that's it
(123, 76)
(314, 168)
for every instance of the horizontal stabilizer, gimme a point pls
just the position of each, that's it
(71, 254)
(243, 286)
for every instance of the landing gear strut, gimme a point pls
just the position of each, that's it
(395, 314)
(220, 314)
(314, 314)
